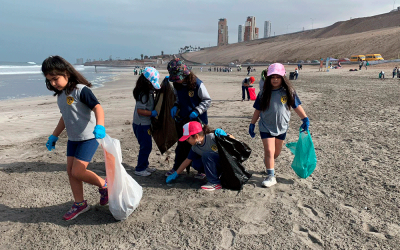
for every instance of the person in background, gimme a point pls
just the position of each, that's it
(296, 73)
(245, 87)
(272, 107)
(192, 102)
(248, 70)
(394, 71)
(143, 93)
(263, 76)
(83, 118)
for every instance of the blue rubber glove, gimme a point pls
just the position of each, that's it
(172, 177)
(305, 125)
(251, 130)
(99, 132)
(218, 132)
(154, 113)
(193, 115)
(173, 111)
(51, 143)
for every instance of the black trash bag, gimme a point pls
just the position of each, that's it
(163, 128)
(231, 154)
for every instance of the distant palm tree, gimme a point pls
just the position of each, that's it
(141, 56)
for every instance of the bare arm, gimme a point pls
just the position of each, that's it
(184, 164)
(256, 115)
(60, 127)
(144, 112)
(300, 112)
(99, 113)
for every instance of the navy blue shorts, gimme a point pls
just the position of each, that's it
(265, 135)
(82, 150)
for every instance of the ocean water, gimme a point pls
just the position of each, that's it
(25, 79)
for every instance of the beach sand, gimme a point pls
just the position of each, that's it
(351, 201)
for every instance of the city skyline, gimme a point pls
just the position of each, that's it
(34, 30)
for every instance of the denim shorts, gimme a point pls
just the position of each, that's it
(265, 135)
(82, 150)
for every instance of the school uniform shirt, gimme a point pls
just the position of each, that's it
(275, 120)
(76, 110)
(146, 104)
(209, 146)
(190, 100)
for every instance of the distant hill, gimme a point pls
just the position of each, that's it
(367, 35)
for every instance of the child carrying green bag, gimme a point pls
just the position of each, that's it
(305, 159)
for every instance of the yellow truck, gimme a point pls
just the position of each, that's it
(373, 57)
(356, 58)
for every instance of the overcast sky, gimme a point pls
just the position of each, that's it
(31, 30)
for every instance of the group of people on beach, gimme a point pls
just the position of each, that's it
(83, 118)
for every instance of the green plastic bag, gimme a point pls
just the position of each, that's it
(305, 159)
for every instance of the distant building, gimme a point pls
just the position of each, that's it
(267, 29)
(256, 33)
(222, 32)
(241, 33)
(250, 29)
(79, 61)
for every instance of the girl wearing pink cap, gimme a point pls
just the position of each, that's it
(203, 154)
(273, 106)
(147, 82)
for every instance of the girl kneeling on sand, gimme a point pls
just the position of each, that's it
(144, 110)
(273, 106)
(83, 118)
(203, 155)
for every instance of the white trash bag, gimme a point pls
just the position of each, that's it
(124, 193)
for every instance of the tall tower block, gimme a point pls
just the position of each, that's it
(222, 32)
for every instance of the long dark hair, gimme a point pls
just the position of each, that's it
(206, 130)
(267, 91)
(189, 80)
(142, 88)
(58, 66)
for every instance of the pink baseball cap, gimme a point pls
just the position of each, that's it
(190, 128)
(276, 69)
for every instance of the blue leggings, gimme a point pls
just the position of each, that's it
(142, 133)
(208, 163)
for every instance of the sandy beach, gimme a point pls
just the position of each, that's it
(351, 201)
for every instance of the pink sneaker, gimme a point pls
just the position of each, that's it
(75, 211)
(211, 187)
(103, 196)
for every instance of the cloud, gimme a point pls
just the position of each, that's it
(96, 29)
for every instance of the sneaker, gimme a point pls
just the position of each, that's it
(200, 176)
(151, 170)
(211, 187)
(103, 196)
(269, 181)
(75, 211)
(142, 173)
(169, 172)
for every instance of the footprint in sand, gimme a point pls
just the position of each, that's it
(309, 211)
(228, 238)
(368, 228)
(168, 217)
(311, 239)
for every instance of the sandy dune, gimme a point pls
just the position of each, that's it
(377, 34)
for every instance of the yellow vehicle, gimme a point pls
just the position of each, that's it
(356, 58)
(373, 57)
